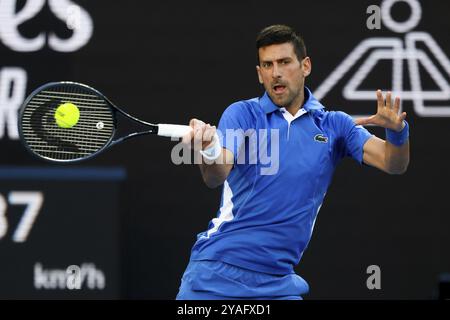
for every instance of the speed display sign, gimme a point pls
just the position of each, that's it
(59, 232)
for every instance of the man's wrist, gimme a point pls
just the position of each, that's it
(213, 151)
(398, 138)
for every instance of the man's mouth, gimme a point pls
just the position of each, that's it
(279, 88)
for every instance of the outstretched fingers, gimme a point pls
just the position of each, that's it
(380, 100)
(397, 105)
(389, 100)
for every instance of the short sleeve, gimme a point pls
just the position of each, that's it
(233, 126)
(351, 137)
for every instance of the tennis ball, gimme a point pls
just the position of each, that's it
(67, 115)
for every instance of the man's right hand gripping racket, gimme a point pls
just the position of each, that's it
(68, 122)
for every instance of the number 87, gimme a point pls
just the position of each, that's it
(33, 200)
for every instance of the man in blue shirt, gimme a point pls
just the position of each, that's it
(275, 157)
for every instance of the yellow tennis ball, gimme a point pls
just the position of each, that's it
(67, 115)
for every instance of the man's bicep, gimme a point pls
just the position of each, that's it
(374, 153)
(351, 137)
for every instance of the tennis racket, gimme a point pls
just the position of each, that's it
(69, 122)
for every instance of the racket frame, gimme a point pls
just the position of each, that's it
(114, 110)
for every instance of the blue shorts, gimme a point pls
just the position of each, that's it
(216, 280)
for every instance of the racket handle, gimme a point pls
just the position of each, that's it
(173, 130)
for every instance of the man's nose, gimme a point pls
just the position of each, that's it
(276, 72)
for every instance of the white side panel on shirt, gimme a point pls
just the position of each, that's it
(226, 211)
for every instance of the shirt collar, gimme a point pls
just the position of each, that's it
(311, 103)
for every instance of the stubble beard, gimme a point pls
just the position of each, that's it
(286, 100)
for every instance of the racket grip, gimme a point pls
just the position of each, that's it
(173, 130)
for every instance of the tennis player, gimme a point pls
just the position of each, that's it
(266, 218)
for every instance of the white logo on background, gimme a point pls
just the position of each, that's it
(397, 51)
(76, 18)
(12, 92)
(13, 80)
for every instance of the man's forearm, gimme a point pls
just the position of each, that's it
(397, 149)
(215, 173)
(396, 157)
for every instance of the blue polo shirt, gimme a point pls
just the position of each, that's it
(283, 167)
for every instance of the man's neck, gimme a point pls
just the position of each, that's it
(297, 103)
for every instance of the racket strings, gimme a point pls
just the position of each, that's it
(92, 132)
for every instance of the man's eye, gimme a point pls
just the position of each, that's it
(285, 62)
(266, 65)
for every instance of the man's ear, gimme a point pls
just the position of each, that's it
(306, 66)
(258, 71)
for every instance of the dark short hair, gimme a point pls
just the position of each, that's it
(277, 34)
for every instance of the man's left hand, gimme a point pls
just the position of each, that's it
(387, 114)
